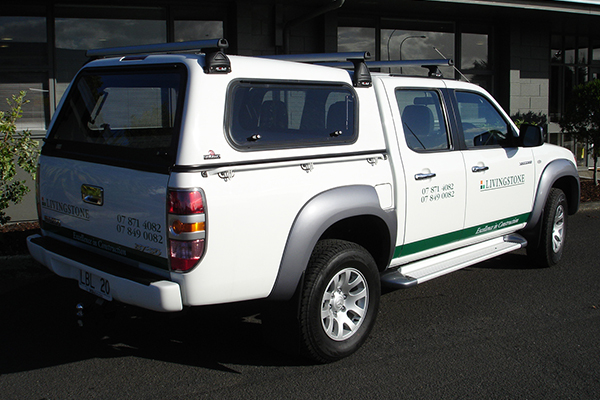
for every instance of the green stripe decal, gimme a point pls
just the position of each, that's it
(426, 244)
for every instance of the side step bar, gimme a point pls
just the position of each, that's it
(421, 271)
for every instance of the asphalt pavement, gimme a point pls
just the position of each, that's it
(499, 330)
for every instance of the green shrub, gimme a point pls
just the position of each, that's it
(530, 118)
(17, 150)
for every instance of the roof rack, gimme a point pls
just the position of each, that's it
(216, 60)
(361, 77)
(322, 57)
(431, 65)
(358, 61)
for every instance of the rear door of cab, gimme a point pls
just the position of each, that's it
(433, 167)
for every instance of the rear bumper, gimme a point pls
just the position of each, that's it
(128, 285)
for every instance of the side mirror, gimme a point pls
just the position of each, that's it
(531, 136)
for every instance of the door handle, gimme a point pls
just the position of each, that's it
(420, 177)
(477, 168)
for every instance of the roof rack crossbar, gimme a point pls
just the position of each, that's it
(355, 60)
(321, 57)
(431, 65)
(394, 63)
(198, 45)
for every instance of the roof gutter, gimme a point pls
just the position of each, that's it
(311, 15)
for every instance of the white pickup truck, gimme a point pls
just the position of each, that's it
(175, 175)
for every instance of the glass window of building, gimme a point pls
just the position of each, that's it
(474, 59)
(197, 30)
(417, 40)
(400, 40)
(357, 39)
(24, 67)
(81, 29)
(197, 23)
(474, 51)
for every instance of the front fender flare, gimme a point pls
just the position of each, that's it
(553, 172)
(317, 215)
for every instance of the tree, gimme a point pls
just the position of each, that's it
(582, 118)
(16, 150)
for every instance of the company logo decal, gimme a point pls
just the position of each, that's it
(212, 156)
(499, 183)
(66, 209)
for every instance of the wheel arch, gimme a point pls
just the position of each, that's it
(351, 213)
(561, 174)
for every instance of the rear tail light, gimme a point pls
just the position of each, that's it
(187, 228)
(186, 202)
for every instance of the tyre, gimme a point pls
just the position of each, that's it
(553, 230)
(339, 300)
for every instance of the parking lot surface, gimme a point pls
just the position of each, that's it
(500, 329)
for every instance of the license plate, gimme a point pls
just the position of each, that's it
(95, 285)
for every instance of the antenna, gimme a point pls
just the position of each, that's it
(457, 70)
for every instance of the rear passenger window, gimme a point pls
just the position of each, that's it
(423, 119)
(280, 115)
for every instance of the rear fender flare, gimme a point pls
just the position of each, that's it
(317, 215)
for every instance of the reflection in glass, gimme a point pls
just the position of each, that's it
(595, 50)
(76, 35)
(23, 29)
(356, 39)
(569, 50)
(416, 45)
(474, 54)
(23, 41)
(582, 51)
(556, 53)
(198, 30)
(35, 112)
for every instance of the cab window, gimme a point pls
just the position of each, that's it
(482, 124)
(423, 119)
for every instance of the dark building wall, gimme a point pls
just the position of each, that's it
(520, 42)
(279, 28)
(529, 68)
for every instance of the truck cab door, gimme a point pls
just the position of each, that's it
(500, 175)
(434, 173)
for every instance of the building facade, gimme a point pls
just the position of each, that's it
(528, 53)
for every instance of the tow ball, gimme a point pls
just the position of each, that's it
(82, 310)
